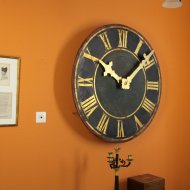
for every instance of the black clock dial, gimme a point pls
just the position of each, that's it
(116, 83)
(113, 98)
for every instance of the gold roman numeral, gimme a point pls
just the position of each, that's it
(148, 105)
(105, 40)
(151, 85)
(122, 38)
(149, 64)
(120, 129)
(138, 47)
(103, 123)
(89, 105)
(139, 125)
(86, 82)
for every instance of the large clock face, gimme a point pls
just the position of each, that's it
(116, 83)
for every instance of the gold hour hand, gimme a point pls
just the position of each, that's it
(109, 70)
(107, 67)
(88, 56)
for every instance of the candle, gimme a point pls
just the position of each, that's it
(130, 158)
(110, 156)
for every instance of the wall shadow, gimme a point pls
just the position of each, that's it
(63, 83)
(81, 166)
(123, 184)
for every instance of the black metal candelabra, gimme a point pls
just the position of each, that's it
(116, 163)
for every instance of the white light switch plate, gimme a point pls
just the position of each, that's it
(40, 117)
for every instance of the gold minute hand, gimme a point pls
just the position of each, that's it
(126, 82)
(107, 67)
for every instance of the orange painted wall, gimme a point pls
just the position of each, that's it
(62, 154)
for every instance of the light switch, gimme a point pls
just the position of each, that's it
(40, 117)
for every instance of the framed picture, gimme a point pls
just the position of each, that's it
(9, 86)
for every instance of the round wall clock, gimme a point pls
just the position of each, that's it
(116, 83)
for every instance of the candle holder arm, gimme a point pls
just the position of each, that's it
(124, 163)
